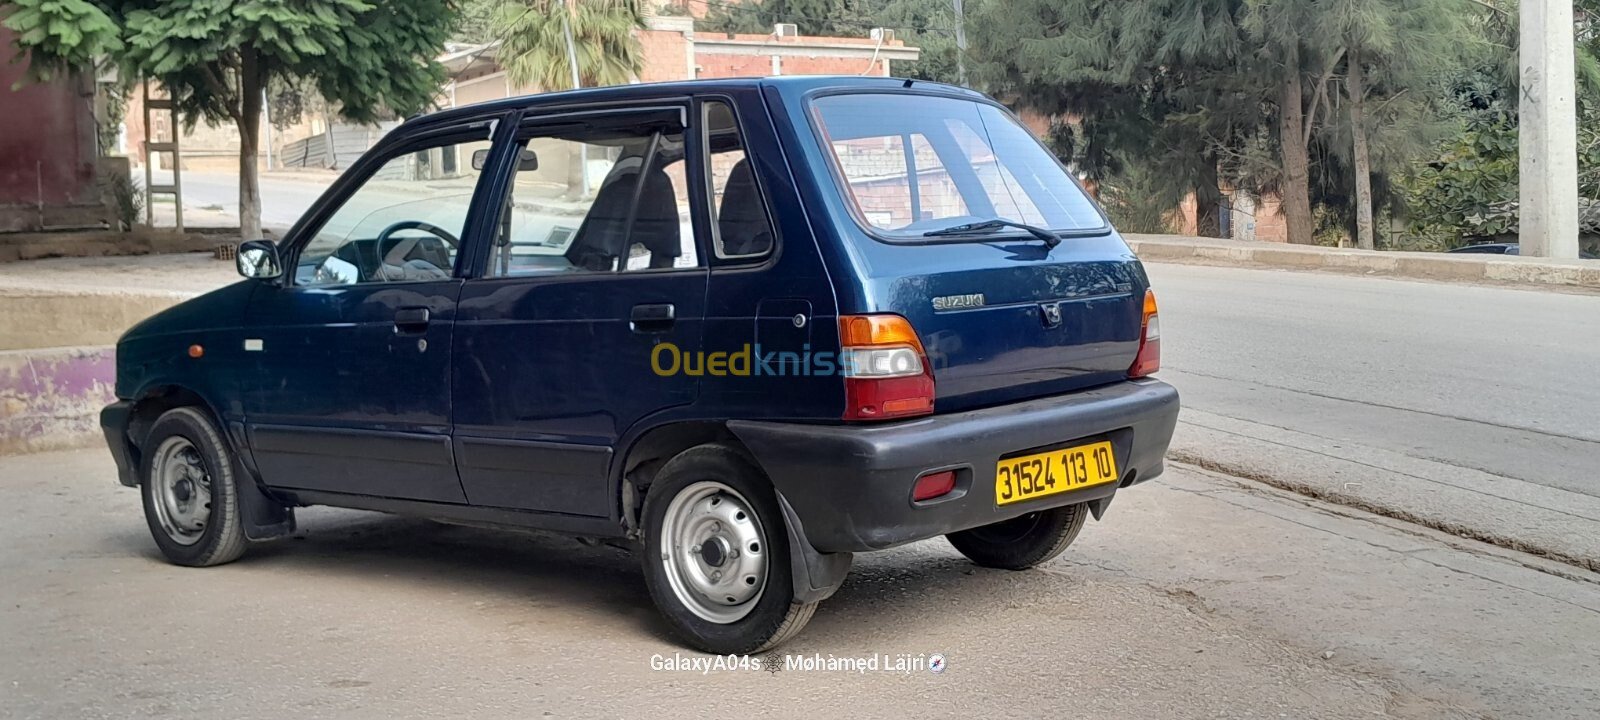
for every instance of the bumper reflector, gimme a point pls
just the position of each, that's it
(934, 485)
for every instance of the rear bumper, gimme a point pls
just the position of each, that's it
(114, 423)
(850, 485)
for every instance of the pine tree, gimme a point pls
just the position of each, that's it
(1169, 84)
(1389, 48)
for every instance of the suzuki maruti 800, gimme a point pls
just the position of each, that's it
(745, 327)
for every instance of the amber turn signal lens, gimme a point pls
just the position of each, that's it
(1148, 359)
(867, 330)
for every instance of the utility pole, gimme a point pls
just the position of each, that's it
(1548, 175)
(577, 82)
(961, 44)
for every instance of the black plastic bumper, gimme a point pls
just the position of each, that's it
(114, 423)
(851, 485)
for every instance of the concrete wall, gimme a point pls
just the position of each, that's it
(51, 399)
(57, 363)
(50, 320)
(47, 144)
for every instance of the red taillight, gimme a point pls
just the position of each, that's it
(1149, 358)
(886, 373)
(934, 485)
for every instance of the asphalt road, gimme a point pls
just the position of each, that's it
(1197, 596)
(1473, 407)
(284, 196)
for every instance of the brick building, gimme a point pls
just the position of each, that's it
(674, 50)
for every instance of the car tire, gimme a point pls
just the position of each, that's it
(712, 524)
(187, 484)
(1024, 541)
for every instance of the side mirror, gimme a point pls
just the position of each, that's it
(258, 260)
(527, 160)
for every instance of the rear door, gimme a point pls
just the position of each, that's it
(595, 281)
(1001, 315)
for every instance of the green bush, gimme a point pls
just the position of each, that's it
(127, 199)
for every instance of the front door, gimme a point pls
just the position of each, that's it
(353, 348)
(588, 279)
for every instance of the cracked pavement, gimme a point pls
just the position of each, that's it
(1199, 595)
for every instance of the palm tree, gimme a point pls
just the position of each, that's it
(542, 40)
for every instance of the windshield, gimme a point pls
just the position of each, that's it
(915, 163)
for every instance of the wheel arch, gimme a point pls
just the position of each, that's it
(652, 448)
(155, 400)
(815, 575)
(264, 516)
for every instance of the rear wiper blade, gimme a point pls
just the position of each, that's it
(988, 226)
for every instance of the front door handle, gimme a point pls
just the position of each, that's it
(652, 318)
(411, 319)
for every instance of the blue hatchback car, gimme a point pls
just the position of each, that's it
(746, 327)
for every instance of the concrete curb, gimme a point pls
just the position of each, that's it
(31, 320)
(95, 243)
(1568, 274)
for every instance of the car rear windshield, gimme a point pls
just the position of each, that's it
(915, 163)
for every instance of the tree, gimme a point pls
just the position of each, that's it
(533, 41)
(1277, 29)
(1389, 48)
(61, 36)
(534, 50)
(1301, 98)
(1165, 84)
(217, 57)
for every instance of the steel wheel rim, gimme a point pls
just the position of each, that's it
(714, 552)
(180, 490)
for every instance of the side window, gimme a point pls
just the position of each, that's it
(739, 222)
(405, 221)
(608, 195)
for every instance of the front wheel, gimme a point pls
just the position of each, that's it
(716, 556)
(190, 501)
(1022, 542)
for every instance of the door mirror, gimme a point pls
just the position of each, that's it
(258, 260)
(527, 160)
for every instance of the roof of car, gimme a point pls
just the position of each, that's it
(796, 84)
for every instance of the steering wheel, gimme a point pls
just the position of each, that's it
(443, 234)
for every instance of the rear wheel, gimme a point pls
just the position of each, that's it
(1022, 542)
(716, 554)
(190, 502)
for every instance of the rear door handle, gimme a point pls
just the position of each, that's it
(652, 318)
(411, 319)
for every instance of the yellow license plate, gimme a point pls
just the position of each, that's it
(1047, 473)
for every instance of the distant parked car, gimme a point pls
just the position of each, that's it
(962, 346)
(1505, 249)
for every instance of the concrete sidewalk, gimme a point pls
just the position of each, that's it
(1498, 269)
